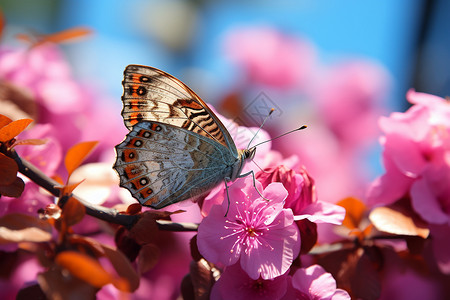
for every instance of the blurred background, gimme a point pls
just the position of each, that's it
(333, 65)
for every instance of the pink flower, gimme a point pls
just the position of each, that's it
(234, 283)
(260, 234)
(314, 283)
(349, 98)
(417, 158)
(270, 57)
(417, 161)
(302, 197)
(46, 157)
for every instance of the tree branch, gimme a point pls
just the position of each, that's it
(107, 214)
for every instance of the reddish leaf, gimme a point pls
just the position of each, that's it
(57, 284)
(73, 211)
(145, 229)
(87, 245)
(129, 278)
(77, 154)
(67, 190)
(355, 210)
(308, 235)
(14, 189)
(32, 142)
(67, 34)
(8, 170)
(148, 257)
(15, 228)
(4, 120)
(126, 244)
(365, 281)
(2, 23)
(58, 179)
(12, 129)
(395, 222)
(84, 267)
(134, 209)
(196, 256)
(202, 278)
(31, 292)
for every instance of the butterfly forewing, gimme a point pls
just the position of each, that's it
(153, 95)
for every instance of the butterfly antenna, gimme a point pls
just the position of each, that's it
(259, 167)
(265, 119)
(294, 130)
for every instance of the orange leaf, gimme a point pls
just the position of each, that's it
(4, 120)
(393, 221)
(33, 142)
(14, 189)
(66, 190)
(68, 34)
(129, 278)
(17, 227)
(73, 211)
(84, 267)
(8, 170)
(11, 130)
(77, 154)
(2, 23)
(354, 212)
(58, 179)
(24, 37)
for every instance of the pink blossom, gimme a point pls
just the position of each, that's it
(302, 197)
(260, 234)
(44, 70)
(270, 57)
(349, 97)
(416, 155)
(46, 157)
(234, 283)
(314, 283)
(417, 161)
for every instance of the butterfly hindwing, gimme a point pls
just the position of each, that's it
(153, 95)
(161, 164)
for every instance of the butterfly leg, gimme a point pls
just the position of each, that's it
(226, 180)
(254, 182)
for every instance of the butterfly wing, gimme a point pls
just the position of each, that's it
(161, 164)
(153, 95)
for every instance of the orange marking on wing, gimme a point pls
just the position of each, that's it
(134, 105)
(142, 133)
(129, 155)
(154, 127)
(135, 77)
(135, 117)
(131, 142)
(133, 90)
(131, 171)
(146, 192)
(189, 103)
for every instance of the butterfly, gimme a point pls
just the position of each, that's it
(177, 148)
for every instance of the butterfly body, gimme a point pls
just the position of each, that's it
(177, 148)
